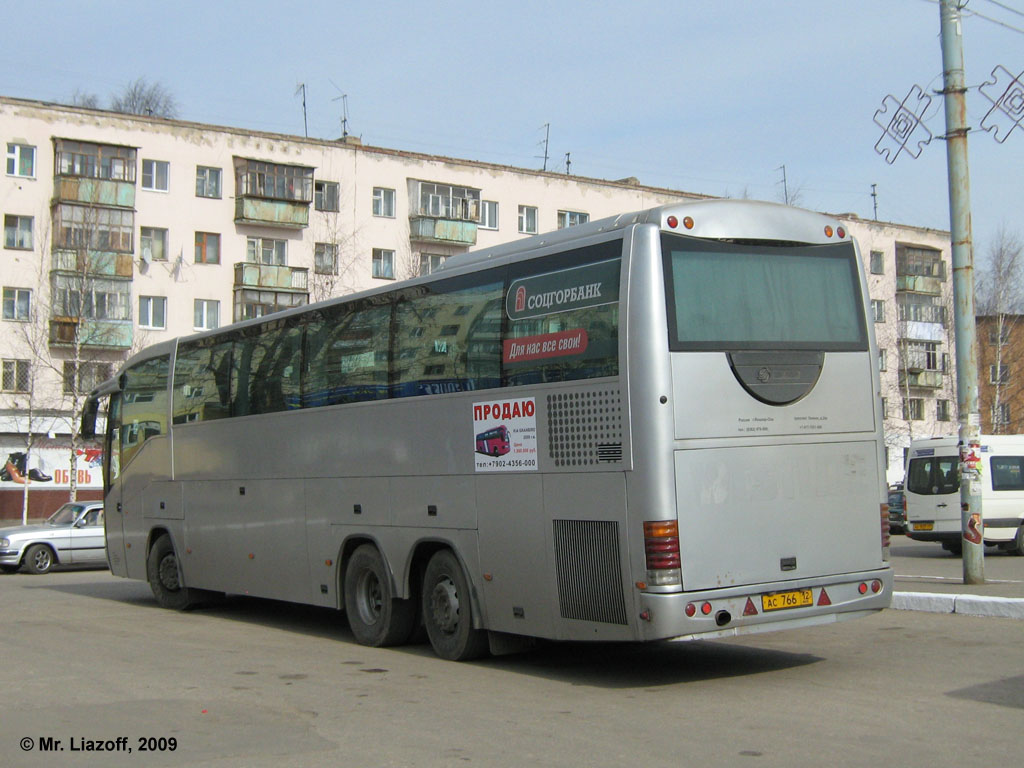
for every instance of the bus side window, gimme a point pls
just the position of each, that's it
(202, 381)
(144, 405)
(112, 449)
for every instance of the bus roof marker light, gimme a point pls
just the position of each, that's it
(688, 222)
(828, 230)
(841, 232)
(672, 221)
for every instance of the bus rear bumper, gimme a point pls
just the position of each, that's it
(764, 608)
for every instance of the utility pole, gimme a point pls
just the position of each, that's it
(953, 89)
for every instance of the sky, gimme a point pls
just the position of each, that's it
(720, 97)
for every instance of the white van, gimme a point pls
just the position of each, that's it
(932, 491)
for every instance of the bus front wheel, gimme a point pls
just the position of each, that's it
(165, 578)
(447, 611)
(375, 615)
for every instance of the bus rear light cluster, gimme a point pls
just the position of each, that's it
(838, 231)
(692, 608)
(875, 587)
(886, 538)
(661, 547)
(673, 222)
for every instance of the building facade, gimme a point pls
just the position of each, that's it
(121, 231)
(1001, 373)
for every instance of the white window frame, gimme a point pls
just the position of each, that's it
(432, 262)
(1000, 414)
(158, 171)
(156, 239)
(150, 307)
(999, 374)
(383, 264)
(878, 310)
(384, 202)
(321, 251)
(267, 250)
(201, 314)
(488, 214)
(208, 181)
(568, 219)
(526, 212)
(327, 196)
(16, 156)
(22, 239)
(16, 298)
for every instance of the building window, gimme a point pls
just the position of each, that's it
(914, 410)
(102, 229)
(488, 214)
(207, 181)
(878, 310)
(882, 360)
(527, 220)
(153, 242)
(292, 183)
(429, 262)
(18, 232)
(383, 202)
(153, 312)
(445, 201)
(325, 195)
(207, 248)
(155, 175)
(98, 161)
(383, 264)
(924, 262)
(325, 259)
(572, 219)
(89, 376)
(885, 410)
(101, 299)
(942, 410)
(1001, 415)
(265, 250)
(999, 374)
(999, 335)
(17, 304)
(877, 263)
(207, 315)
(919, 308)
(16, 375)
(21, 160)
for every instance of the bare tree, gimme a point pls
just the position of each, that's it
(999, 305)
(85, 99)
(140, 97)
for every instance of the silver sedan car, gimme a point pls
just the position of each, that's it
(73, 535)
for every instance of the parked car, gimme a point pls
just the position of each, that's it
(73, 535)
(897, 512)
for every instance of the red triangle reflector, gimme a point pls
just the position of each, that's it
(749, 609)
(823, 598)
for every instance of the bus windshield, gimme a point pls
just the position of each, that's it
(727, 296)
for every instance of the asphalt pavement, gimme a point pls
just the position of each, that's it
(927, 578)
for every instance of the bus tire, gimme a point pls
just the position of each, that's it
(448, 611)
(163, 573)
(376, 617)
(39, 559)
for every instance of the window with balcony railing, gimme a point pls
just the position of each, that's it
(101, 229)
(918, 308)
(96, 161)
(922, 356)
(925, 262)
(445, 201)
(273, 181)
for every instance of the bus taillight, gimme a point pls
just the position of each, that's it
(661, 545)
(886, 538)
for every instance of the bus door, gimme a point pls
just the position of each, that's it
(114, 514)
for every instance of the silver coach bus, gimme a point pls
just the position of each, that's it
(691, 442)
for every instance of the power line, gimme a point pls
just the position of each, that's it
(1005, 7)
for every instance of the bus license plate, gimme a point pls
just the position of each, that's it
(923, 526)
(781, 600)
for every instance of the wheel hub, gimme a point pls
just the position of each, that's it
(445, 606)
(371, 599)
(168, 573)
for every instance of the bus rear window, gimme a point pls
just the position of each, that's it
(724, 296)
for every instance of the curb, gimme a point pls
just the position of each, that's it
(970, 605)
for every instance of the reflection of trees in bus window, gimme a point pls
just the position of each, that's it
(347, 348)
(272, 377)
(144, 405)
(448, 336)
(202, 381)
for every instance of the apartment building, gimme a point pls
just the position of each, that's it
(122, 230)
(1000, 368)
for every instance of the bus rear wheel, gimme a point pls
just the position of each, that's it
(376, 617)
(164, 577)
(448, 612)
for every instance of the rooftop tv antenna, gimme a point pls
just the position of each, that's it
(305, 125)
(343, 98)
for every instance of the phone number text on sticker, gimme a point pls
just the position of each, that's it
(505, 435)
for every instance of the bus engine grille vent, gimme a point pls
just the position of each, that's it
(585, 428)
(589, 571)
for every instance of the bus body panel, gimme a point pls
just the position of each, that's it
(786, 511)
(717, 407)
(932, 489)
